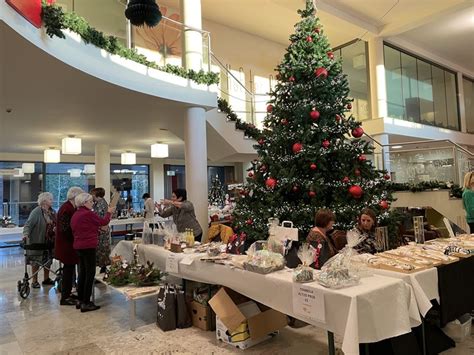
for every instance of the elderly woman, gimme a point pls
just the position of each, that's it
(103, 249)
(182, 212)
(85, 226)
(318, 237)
(40, 229)
(468, 199)
(64, 245)
(366, 230)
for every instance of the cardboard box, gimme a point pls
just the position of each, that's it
(202, 316)
(244, 324)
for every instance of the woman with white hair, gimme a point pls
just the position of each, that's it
(40, 229)
(85, 226)
(64, 250)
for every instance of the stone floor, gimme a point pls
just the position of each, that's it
(38, 325)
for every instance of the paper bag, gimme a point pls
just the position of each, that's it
(284, 233)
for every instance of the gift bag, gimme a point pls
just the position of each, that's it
(147, 237)
(166, 313)
(183, 318)
(286, 232)
(159, 235)
(236, 244)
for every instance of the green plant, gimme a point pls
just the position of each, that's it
(249, 129)
(55, 20)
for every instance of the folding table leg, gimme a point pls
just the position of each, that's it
(132, 308)
(423, 336)
(331, 346)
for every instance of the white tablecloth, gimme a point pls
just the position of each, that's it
(424, 284)
(378, 308)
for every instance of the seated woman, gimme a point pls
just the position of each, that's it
(318, 238)
(366, 229)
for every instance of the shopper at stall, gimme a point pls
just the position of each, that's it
(40, 229)
(85, 226)
(64, 250)
(318, 237)
(103, 249)
(365, 229)
(149, 207)
(468, 199)
(182, 211)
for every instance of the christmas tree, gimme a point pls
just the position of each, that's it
(310, 154)
(216, 194)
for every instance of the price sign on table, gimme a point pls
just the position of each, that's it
(172, 263)
(308, 302)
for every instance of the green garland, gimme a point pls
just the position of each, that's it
(249, 129)
(55, 20)
(455, 190)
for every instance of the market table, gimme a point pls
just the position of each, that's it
(378, 308)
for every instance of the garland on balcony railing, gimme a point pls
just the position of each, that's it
(55, 20)
(249, 129)
(455, 190)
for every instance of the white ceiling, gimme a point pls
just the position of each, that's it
(438, 26)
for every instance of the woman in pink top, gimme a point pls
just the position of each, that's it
(85, 226)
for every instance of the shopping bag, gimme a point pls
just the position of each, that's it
(183, 318)
(159, 235)
(286, 231)
(166, 310)
(147, 237)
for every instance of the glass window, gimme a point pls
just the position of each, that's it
(468, 86)
(419, 91)
(19, 190)
(354, 65)
(132, 181)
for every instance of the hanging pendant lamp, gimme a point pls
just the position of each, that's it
(143, 12)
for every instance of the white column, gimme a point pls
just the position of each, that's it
(462, 106)
(157, 188)
(378, 89)
(102, 168)
(382, 156)
(192, 39)
(195, 153)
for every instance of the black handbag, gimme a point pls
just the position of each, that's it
(166, 313)
(183, 317)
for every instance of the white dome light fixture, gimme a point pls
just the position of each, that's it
(128, 158)
(159, 150)
(20, 173)
(28, 168)
(71, 145)
(52, 155)
(89, 169)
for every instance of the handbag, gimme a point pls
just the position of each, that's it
(166, 309)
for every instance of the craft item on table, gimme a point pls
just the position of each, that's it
(145, 275)
(176, 248)
(215, 249)
(236, 244)
(118, 274)
(189, 237)
(261, 260)
(238, 261)
(6, 222)
(418, 229)
(453, 249)
(381, 238)
(217, 258)
(159, 235)
(338, 271)
(304, 273)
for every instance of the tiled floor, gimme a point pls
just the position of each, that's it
(38, 325)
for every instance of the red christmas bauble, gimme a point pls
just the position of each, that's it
(284, 121)
(312, 194)
(357, 132)
(314, 114)
(356, 191)
(313, 166)
(349, 106)
(249, 221)
(309, 39)
(384, 204)
(345, 180)
(269, 108)
(321, 73)
(261, 141)
(338, 118)
(386, 177)
(291, 79)
(250, 174)
(297, 147)
(295, 188)
(270, 183)
(325, 143)
(357, 172)
(362, 158)
(330, 55)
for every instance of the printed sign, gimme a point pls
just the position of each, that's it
(172, 263)
(308, 302)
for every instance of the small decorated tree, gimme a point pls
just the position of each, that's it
(216, 194)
